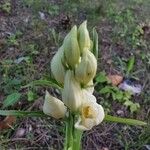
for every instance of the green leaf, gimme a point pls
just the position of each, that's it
(22, 113)
(119, 95)
(95, 43)
(11, 99)
(101, 77)
(128, 103)
(133, 106)
(113, 95)
(31, 95)
(49, 83)
(130, 64)
(105, 90)
(127, 95)
(127, 121)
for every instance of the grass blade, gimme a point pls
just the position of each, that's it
(127, 121)
(49, 83)
(22, 113)
(130, 64)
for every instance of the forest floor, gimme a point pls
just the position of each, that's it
(30, 34)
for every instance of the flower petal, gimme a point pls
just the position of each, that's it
(100, 114)
(79, 126)
(57, 68)
(54, 107)
(90, 87)
(72, 93)
(88, 97)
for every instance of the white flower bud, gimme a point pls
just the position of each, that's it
(72, 93)
(57, 68)
(83, 37)
(54, 107)
(86, 70)
(71, 48)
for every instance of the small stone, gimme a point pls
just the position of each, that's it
(20, 132)
(30, 128)
(42, 15)
(105, 148)
(120, 113)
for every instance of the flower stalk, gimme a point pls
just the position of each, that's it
(73, 136)
(69, 132)
(77, 139)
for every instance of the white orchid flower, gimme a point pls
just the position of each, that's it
(54, 107)
(91, 115)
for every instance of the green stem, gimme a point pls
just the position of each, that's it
(77, 135)
(77, 139)
(73, 136)
(69, 131)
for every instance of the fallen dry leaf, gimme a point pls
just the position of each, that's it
(7, 122)
(115, 79)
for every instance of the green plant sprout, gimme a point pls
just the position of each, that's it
(74, 66)
(55, 36)
(6, 7)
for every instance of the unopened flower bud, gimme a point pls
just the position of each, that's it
(72, 93)
(86, 70)
(83, 37)
(71, 48)
(54, 107)
(57, 68)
